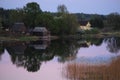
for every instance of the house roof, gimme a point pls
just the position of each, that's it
(18, 27)
(39, 29)
(83, 23)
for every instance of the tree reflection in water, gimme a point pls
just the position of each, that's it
(65, 50)
(113, 44)
(1, 49)
(27, 56)
(76, 71)
(30, 55)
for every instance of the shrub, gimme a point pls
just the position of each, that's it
(92, 31)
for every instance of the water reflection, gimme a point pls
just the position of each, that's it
(40, 44)
(113, 44)
(65, 50)
(1, 49)
(28, 55)
(31, 55)
(89, 41)
(94, 64)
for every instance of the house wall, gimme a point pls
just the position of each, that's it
(86, 27)
(40, 33)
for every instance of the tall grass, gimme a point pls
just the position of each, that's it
(75, 71)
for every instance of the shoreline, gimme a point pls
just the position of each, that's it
(77, 36)
(26, 38)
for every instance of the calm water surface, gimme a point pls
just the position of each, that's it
(51, 60)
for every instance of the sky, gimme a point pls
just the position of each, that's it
(73, 6)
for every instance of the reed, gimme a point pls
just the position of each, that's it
(75, 71)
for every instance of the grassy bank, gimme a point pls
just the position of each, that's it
(25, 38)
(21, 38)
(111, 34)
(97, 35)
(103, 34)
(77, 36)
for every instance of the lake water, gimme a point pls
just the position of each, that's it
(62, 59)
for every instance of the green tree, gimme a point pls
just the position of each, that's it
(16, 15)
(4, 14)
(0, 23)
(113, 20)
(31, 10)
(97, 22)
(62, 9)
(66, 22)
(71, 23)
(47, 20)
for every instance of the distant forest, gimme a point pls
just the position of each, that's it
(60, 23)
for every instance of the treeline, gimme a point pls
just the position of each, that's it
(110, 22)
(31, 15)
(59, 23)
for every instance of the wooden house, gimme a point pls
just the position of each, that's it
(19, 28)
(85, 25)
(41, 31)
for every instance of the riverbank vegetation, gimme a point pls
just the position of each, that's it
(32, 15)
(20, 38)
(61, 23)
(76, 71)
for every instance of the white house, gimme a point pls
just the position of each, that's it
(85, 25)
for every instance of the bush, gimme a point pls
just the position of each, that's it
(92, 31)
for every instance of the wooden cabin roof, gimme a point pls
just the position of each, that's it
(40, 29)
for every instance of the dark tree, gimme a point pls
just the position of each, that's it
(113, 21)
(31, 10)
(66, 23)
(62, 9)
(97, 22)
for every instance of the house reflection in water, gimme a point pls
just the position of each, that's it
(40, 44)
(29, 55)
